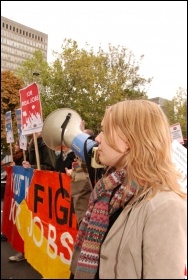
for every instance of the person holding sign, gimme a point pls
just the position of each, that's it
(18, 156)
(135, 223)
(46, 155)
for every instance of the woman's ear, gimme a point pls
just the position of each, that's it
(127, 147)
(126, 151)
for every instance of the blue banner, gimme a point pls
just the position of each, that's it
(21, 182)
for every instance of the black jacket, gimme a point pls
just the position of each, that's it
(46, 155)
(67, 163)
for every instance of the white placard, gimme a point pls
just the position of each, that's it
(176, 133)
(179, 156)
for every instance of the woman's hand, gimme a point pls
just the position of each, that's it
(82, 125)
(12, 163)
(26, 164)
(68, 171)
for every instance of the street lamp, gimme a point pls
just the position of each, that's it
(36, 74)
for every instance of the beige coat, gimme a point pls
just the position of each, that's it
(147, 241)
(80, 192)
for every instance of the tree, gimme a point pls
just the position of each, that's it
(177, 110)
(37, 70)
(87, 81)
(180, 109)
(10, 100)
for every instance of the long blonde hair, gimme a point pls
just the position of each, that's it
(144, 125)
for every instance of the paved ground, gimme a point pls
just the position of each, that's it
(15, 270)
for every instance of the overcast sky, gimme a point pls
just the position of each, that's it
(155, 29)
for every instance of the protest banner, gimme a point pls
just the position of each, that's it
(44, 219)
(17, 184)
(52, 226)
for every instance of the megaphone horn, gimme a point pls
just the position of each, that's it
(73, 137)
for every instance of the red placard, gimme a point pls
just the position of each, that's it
(31, 111)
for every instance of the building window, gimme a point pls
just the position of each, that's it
(6, 26)
(23, 32)
(3, 24)
(10, 27)
(33, 36)
(17, 30)
(30, 35)
(13, 28)
(26, 33)
(20, 31)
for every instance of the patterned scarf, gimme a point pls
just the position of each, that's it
(104, 201)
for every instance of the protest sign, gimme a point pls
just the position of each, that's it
(179, 157)
(176, 133)
(22, 138)
(31, 110)
(8, 127)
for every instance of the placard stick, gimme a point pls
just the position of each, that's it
(36, 150)
(24, 155)
(11, 154)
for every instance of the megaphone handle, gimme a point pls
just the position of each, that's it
(61, 184)
(88, 163)
(64, 124)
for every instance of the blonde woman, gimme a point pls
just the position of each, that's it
(135, 224)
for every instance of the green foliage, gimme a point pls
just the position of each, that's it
(177, 110)
(88, 81)
(37, 70)
(180, 105)
(34, 70)
(85, 81)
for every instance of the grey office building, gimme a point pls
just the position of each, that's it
(161, 102)
(19, 42)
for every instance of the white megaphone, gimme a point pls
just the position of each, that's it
(69, 121)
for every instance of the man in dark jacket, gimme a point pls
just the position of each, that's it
(46, 155)
(65, 159)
